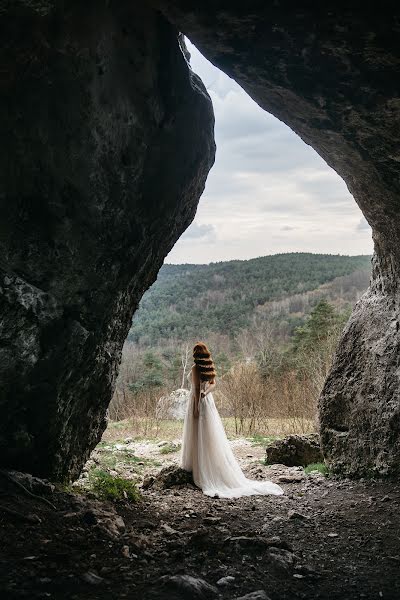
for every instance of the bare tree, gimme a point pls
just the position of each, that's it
(184, 360)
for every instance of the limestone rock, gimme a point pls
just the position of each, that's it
(257, 595)
(174, 405)
(192, 588)
(107, 139)
(295, 450)
(101, 515)
(225, 581)
(32, 484)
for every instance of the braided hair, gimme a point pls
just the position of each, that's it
(204, 362)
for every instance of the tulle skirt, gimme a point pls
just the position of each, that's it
(207, 454)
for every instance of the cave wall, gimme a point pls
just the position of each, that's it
(107, 140)
(330, 71)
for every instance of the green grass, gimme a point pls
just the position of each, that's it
(262, 440)
(320, 467)
(108, 487)
(169, 448)
(110, 458)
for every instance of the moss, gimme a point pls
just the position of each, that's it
(108, 487)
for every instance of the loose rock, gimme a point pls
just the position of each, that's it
(189, 587)
(258, 595)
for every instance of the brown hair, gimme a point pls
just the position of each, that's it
(204, 362)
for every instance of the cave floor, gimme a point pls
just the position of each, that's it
(341, 541)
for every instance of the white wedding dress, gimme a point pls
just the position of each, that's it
(207, 454)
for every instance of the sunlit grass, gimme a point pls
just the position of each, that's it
(110, 458)
(170, 430)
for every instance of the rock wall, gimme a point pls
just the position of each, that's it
(330, 71)
(107, 139)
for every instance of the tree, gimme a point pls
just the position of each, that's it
(322, 322)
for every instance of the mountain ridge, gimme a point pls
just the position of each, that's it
(193, 300)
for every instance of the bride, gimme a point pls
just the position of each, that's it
(205, 448)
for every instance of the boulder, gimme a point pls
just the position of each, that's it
(295, 450)
(174, 405)
(169, 477)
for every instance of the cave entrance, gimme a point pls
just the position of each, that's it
(269, 195)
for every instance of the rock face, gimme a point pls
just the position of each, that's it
(174, 405)
(331, 74)
(295, 451)
(107, 142)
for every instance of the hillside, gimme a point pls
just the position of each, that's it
(190, 301)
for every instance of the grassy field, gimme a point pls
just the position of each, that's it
(152, 429)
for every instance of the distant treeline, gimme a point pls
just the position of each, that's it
(196, 301)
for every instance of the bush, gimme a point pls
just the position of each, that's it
(320, 467)
(108, 487)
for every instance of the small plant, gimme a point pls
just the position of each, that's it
(262, 440)
(108, 487)
(168, 448)
(320, 467)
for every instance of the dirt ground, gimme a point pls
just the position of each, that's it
(324, 538)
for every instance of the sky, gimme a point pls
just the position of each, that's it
(268, 192)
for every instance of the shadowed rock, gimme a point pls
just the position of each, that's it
(107, 142)
(295, 451)
(188, 587)
(169, 477)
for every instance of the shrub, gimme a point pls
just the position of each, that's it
(108, 487)
(320, 467)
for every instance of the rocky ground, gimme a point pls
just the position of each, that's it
(323, 539)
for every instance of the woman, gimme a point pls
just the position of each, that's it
(205, 448)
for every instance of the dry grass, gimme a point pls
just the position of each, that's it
(152, 429)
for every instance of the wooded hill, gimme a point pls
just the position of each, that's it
(191, 301)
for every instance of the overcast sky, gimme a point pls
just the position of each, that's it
(268, 192)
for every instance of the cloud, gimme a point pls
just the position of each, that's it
(265, 182)
(363, 225)
(199, 232)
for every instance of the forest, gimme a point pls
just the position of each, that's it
(194, 301)
(272, 324)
